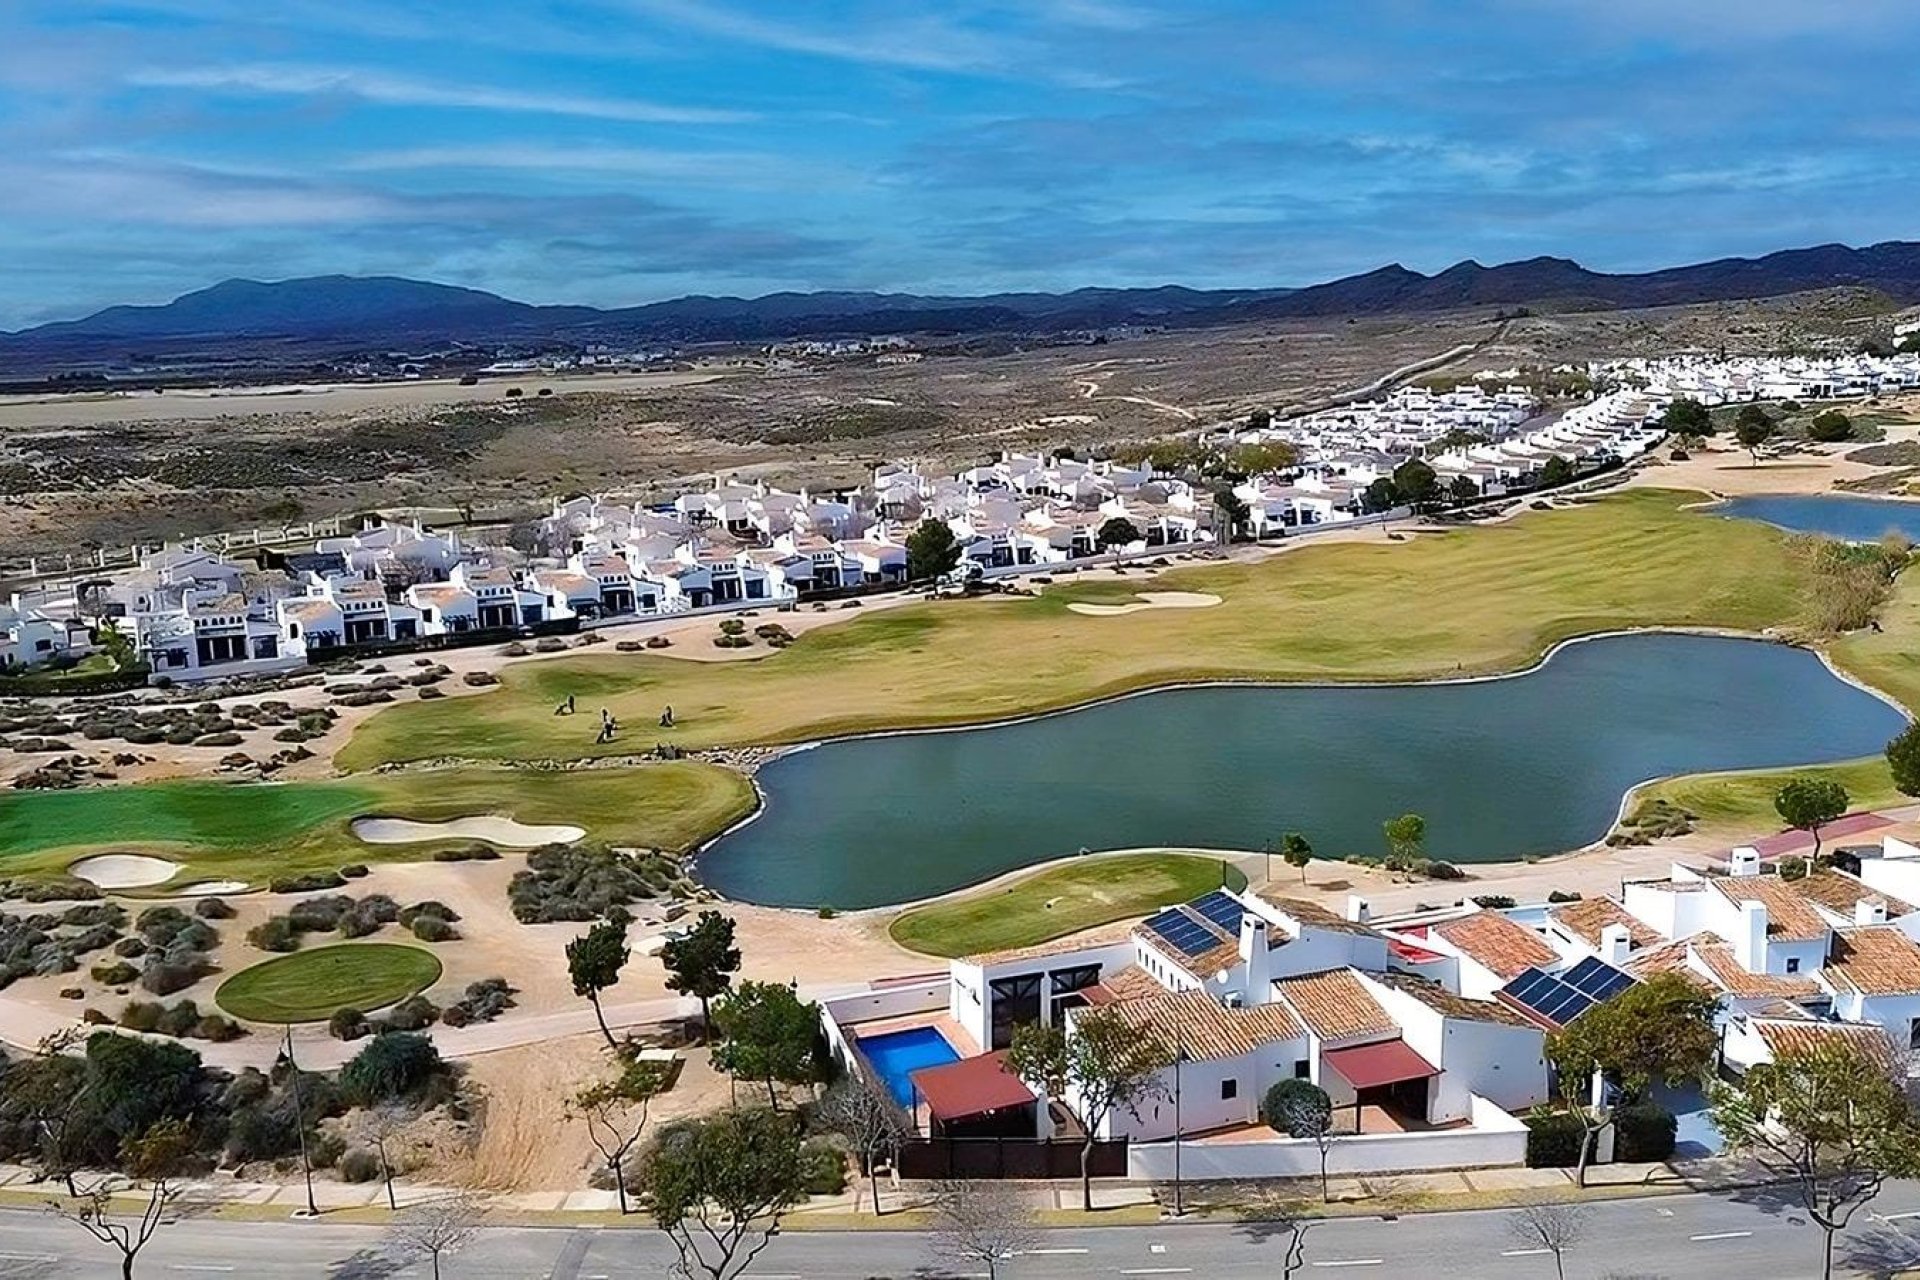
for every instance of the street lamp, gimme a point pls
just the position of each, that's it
(1179, 1056)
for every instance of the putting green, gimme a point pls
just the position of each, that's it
(1459, 602)
(1056, 901)
(308, 986)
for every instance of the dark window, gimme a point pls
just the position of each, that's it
(1229, 1089)
(1793, 964)
(1016, 1002)
(1302, 1069)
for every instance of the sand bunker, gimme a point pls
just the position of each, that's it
(123, 870)
(501, 831)
(1150, 600)
(208, 888)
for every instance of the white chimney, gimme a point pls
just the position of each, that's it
(1357, 909)
(1744, 861)
(1870, 911)
(1615, 941)
(1750, 939)
(1258, 959)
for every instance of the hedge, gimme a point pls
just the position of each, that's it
(1644, 1131)
(63, 685)
(1553, 1141)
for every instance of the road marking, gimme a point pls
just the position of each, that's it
(1721, 1235)
(1157, 1271)
(1041, 1253)
(1352, 1262)
(1523, 1253)
(197, 1266)
(1156, 1248)
(1665, 1213)
(1895, 1217)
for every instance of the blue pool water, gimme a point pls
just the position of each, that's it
(1838, 515)
(897, 1054)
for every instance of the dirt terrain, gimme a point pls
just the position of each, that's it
(91, 470)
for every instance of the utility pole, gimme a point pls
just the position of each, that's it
(300, 1123)
(1179, 1056)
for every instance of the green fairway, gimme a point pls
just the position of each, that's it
(1060, 900)
(255, 831)
(1459, 602)
(308, 986)
(1741, 803)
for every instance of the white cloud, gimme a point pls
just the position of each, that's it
(370, 86)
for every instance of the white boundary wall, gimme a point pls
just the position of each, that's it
(1496, 1139)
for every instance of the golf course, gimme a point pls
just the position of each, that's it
(308, 986)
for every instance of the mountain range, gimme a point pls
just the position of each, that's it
(334, 315)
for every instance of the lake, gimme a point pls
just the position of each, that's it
(1846, 516)
(1535, 764)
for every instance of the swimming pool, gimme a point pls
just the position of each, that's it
(897, 1054)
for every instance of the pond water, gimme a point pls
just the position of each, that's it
(1846, 516)
(1503, 768)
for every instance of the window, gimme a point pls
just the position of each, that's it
(1229, 1089)
(1302, 1069)
(1913, 1034)
(1793, 964)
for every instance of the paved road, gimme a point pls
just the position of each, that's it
(1749, 1236)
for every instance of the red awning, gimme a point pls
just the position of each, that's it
(970, 1087)
(1368, 1066)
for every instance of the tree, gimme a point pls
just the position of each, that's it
(615, 1113)
(1808, 803)
(1302, 1109)
(1261, 459)
(980, 1224)
(1830, 427)
(438, 1227)
(48, 1093)
(1833, 1120)
(1416, 485)
(1406, 839)
(1688, 418)
(1903, 760)
(1553, 1227)
(116, 644)
(1461, 489)
(394, 1065)
(1099, 1063)
(594, 961)
(931, 551)
(1556, 472)
(1231, 514)
(767, 1033)
(1752, 429)
(155, 1158)
(719, 1185)
(1117, 534)
(1259, 419)
(381, 1125)
(1380, 496)
(1297, 852)
(1659, 1029)
(872, 1123)
(702, 962)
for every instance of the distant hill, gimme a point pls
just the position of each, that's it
(240, 320)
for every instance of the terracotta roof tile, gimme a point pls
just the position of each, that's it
(1205, 1028)
(1726, 970)
(1313, 913)
(1793, 1037)
(1098, 936)
(1880, 961)
(1498, 943)
(1585, 920)
(1790, 917)
(1447, 1004)
(1335, 1005)
(1842, 893)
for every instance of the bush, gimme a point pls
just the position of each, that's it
(394, 1065)
(1439, 869)
(213, 909)
(276, 934)
(131, 948)
(142, 1015)
(217, 1028)
(823, 1167)
(354, 870)
(415, 1013)
(179, 1020)
(167, 972)
(1284, 1096)
(1493, 901)
(581, 882)
(1553, 1140)
(484, 1001)
(319, 915)
(431, 907)
(1644, 1132)
(1830, 427)
(347, 1024)
(307, 883)
(1563, 895)
(434, 929)
(117, 974)
(358, 1165)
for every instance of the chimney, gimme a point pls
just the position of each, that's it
(1615, 941)
(1254, 952)
(1744, 861)
(1870, 911)
(1357, 909)
(1750, 939)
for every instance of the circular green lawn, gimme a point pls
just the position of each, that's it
(308, 986)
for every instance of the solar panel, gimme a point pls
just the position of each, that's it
(1597, 978)
(1549, 996)
(1184, 933)
(1222, 908)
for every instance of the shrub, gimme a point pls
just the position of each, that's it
(276, 934)
(1553, 1140)
(415, 1013)
(347, 1024)
(179, 1019)
(87, 914)
(732, 627)
(142, 1015)
(479, 679)
(823, 1167)
(1286, 1095)
(213, 909)
(354, 870)
(217, 1028)
(358, 1165)
(1439, 869)
(483, 1001)
(579, 882)
(167, 972)
(117, 974)
(130, 948)
(393, 1065)
(319, 915)
(1793, 868)
(434, 929)
(218, 740)
(431, 907)
(325, 1149)
(1830, 427)
(1493, 901)
(1644, 1131)
(1563, 895)
(307, 883)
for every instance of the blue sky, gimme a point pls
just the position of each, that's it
(619, 151)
